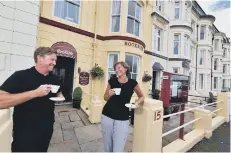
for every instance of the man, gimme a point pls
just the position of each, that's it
(29, 92)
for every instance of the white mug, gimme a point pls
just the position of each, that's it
(117, 91)
(54, 88)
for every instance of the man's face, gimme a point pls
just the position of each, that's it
(47, 61)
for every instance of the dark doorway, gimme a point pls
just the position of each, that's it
(64, 69)
(153, 80)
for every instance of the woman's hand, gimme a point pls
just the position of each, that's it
(111, 92)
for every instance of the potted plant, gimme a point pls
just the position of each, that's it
(167, 111)
(156, 94)
(77, 97)
(97, 72)
(146, 78)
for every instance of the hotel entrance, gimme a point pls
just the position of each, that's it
(64, 68)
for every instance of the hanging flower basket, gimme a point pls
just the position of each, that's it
(146, 78)
(97, 72)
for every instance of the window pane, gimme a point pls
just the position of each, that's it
(177, 13)
(130, 25)
(175, 48)
(116, 6)
(137, 28)
(59, 9)
(115, 24)
(113, 58)
(138, 12)
(134, 76)
(71, 11)
(135, 64)
(131, 8)
(128, 60)
(158, 45)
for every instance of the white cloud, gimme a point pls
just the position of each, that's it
(222, 21)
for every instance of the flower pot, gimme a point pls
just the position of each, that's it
(76, 103)
(167, 112)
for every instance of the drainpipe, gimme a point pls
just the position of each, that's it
(196, 60)
(212, 65)
(94, 44)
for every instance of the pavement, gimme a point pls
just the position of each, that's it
(74, 133)
(219, 142)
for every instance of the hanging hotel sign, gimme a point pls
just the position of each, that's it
(133, 44)
(83, 78)
(64, 49)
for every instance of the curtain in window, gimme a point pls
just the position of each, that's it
(116, 8)
(59, 8)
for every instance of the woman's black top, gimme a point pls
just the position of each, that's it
(115, 107)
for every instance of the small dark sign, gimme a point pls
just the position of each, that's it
(83, 78)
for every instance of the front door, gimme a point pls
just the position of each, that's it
(64, 69)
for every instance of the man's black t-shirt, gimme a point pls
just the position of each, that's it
(115, 107)
(35, 111)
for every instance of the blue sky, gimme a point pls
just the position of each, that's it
(221, 10)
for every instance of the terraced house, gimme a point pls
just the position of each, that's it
(151, 36)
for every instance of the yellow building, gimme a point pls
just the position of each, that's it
(99, 32)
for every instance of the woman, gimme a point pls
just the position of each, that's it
(115, 115)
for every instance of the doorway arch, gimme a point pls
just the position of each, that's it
(64, 68)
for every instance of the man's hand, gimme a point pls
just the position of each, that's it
(42, 90)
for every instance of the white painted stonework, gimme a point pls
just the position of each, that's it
(18, 35)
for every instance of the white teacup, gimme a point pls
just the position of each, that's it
(117, 91)
(54, 88)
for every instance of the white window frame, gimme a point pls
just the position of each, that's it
(204, 32)
(113, 15)
(67, 18)
(108, 55)
(128, 16)
(177, 7)
(155, 38)
(178, 44)
(201, 86)
(138, 64)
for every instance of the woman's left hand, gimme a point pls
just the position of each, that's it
(136, 103)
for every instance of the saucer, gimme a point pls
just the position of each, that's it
(130, 106)
(57, 98)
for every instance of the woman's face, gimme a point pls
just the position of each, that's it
(120, 70)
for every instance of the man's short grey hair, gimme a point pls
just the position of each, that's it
(42, 51)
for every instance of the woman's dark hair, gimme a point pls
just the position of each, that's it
(125, 65)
